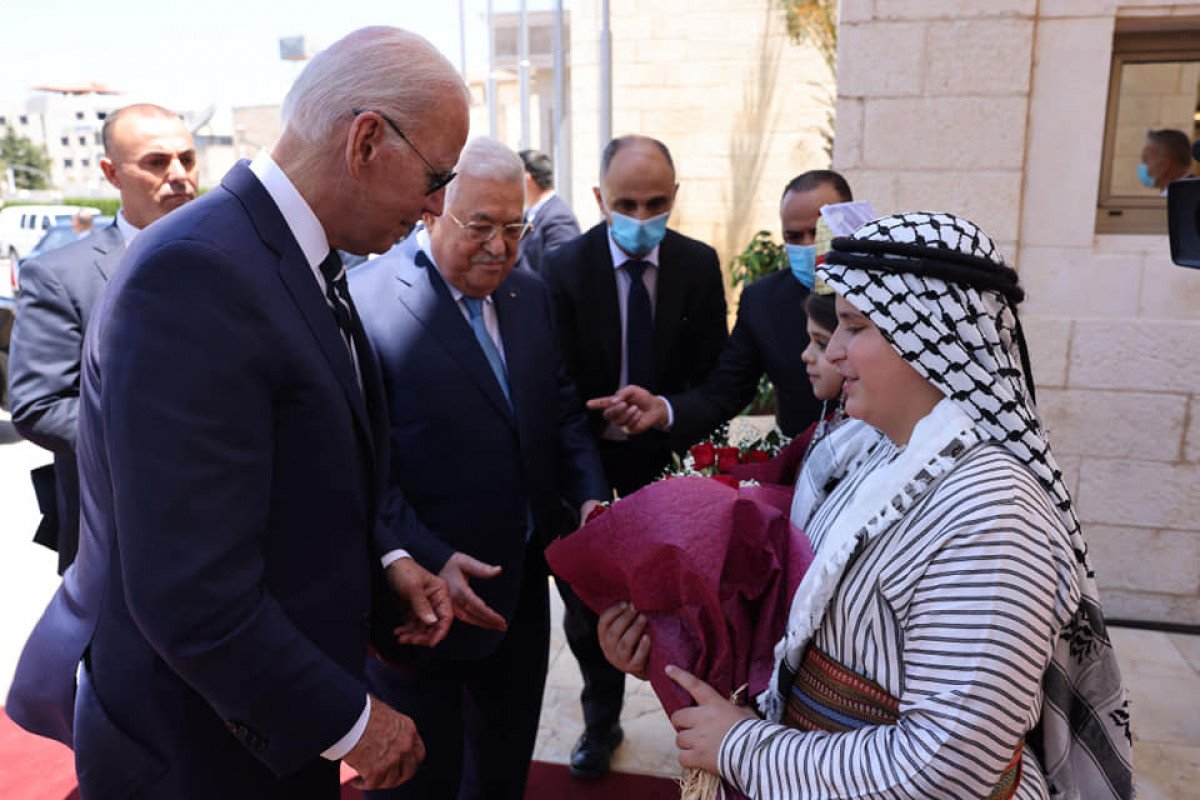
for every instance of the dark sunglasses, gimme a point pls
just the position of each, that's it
(437, 180)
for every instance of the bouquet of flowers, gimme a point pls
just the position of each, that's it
(712, 562)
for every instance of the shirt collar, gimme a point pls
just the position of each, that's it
(536, 207)
(300, 219)
(128, 232)
(619, 256)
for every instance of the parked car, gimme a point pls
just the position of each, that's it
(21, 227)
(61, 233)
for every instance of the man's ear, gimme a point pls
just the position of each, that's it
(110, 172)
(363, 141)
(600, 202)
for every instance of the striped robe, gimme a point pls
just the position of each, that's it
(954, 610)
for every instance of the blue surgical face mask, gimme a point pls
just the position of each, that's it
(638, 236)
(1144, 175)
(802, 258)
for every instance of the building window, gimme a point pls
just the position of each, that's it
(3, 120)
(24, 120)
(85, 163)
(66, 140)
(78, 115)
(98, 138)
(1154, 84)
(68, 163)
(83, 141)
(100, 115)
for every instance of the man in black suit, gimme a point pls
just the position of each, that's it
(553, 221)
(481, 454)
(637, 304)
(149, 157)
(769, 336)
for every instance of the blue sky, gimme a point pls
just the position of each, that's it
(192, 54)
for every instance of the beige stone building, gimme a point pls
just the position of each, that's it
(742, 108)
(1002, 110)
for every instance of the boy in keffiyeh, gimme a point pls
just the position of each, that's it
(947, 641)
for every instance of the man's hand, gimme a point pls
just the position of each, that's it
(632, 409)
(623, 639)
(430, 611)
(468, 606)
(586, 510)
(389, 751)
(699, 730)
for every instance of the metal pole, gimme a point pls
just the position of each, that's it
(605, 76)
(493, 104)
(523, 73)
(562, 152)
(462, 38)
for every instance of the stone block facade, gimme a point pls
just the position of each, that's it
(996, 110)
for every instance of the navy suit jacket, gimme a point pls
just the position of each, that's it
(59, 291)
(231, 470)
(689, 315)
(554, 224)
(467, 473)
(769, 337)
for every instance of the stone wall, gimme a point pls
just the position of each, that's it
(742, 108)
(995, 109)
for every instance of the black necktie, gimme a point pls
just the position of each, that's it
(639, 329)
(338, 295)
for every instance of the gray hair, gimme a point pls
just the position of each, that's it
(490, 159)
(378, 68)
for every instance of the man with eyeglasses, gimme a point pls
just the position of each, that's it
(488, 437)
(232, 449)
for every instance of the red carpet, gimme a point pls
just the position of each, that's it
(33, 768)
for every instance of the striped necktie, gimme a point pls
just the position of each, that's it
(475, 310)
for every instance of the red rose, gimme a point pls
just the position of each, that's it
(756, 457)
(728, 480)
(727, 457)
(702, 455)
(595, 512)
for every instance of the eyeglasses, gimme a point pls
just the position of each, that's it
(437, 180)
(484, 232)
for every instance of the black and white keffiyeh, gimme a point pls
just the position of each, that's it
(939, 291)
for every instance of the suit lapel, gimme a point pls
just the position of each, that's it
(301, 285)
(600, 289)
(668, 301)
(425, 294)
(109, 246)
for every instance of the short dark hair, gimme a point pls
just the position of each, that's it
(822, 309)
(616, 144)
(539, 166)
(139, 109)
(1173, 143)
(815, 178)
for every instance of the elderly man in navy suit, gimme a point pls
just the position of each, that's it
(488, 440)
(232, 451)
(553, 221)
(149, 157)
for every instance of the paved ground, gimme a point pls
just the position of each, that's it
(1161, 670)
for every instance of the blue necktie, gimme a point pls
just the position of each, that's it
(639, 329)
(475, 309)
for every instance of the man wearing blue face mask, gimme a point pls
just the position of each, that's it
(637, 303)
(1166, 157)
(769, 337)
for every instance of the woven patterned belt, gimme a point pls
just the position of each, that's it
(827, 696)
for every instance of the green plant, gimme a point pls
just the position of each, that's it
(761, 257)
(813, 21)
(28, 162)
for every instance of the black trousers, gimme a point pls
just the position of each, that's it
(478, 719)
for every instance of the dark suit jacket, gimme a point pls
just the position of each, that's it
(554, 224)
(769, 336)
(467, 474)
(689, 317)
(58, 293)
(230, 471)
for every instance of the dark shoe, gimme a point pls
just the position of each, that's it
(592, 754)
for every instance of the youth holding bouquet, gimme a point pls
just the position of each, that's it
(947, 641)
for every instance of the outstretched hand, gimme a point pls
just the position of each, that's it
(632, 409)
(699, 730)
(468, 606)
(428, 599)
(389, 750)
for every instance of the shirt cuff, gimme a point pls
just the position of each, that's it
(670, 413)
(392, 556)
(345, 744)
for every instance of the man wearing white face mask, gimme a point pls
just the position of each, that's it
(637, 304)
(768, 338)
